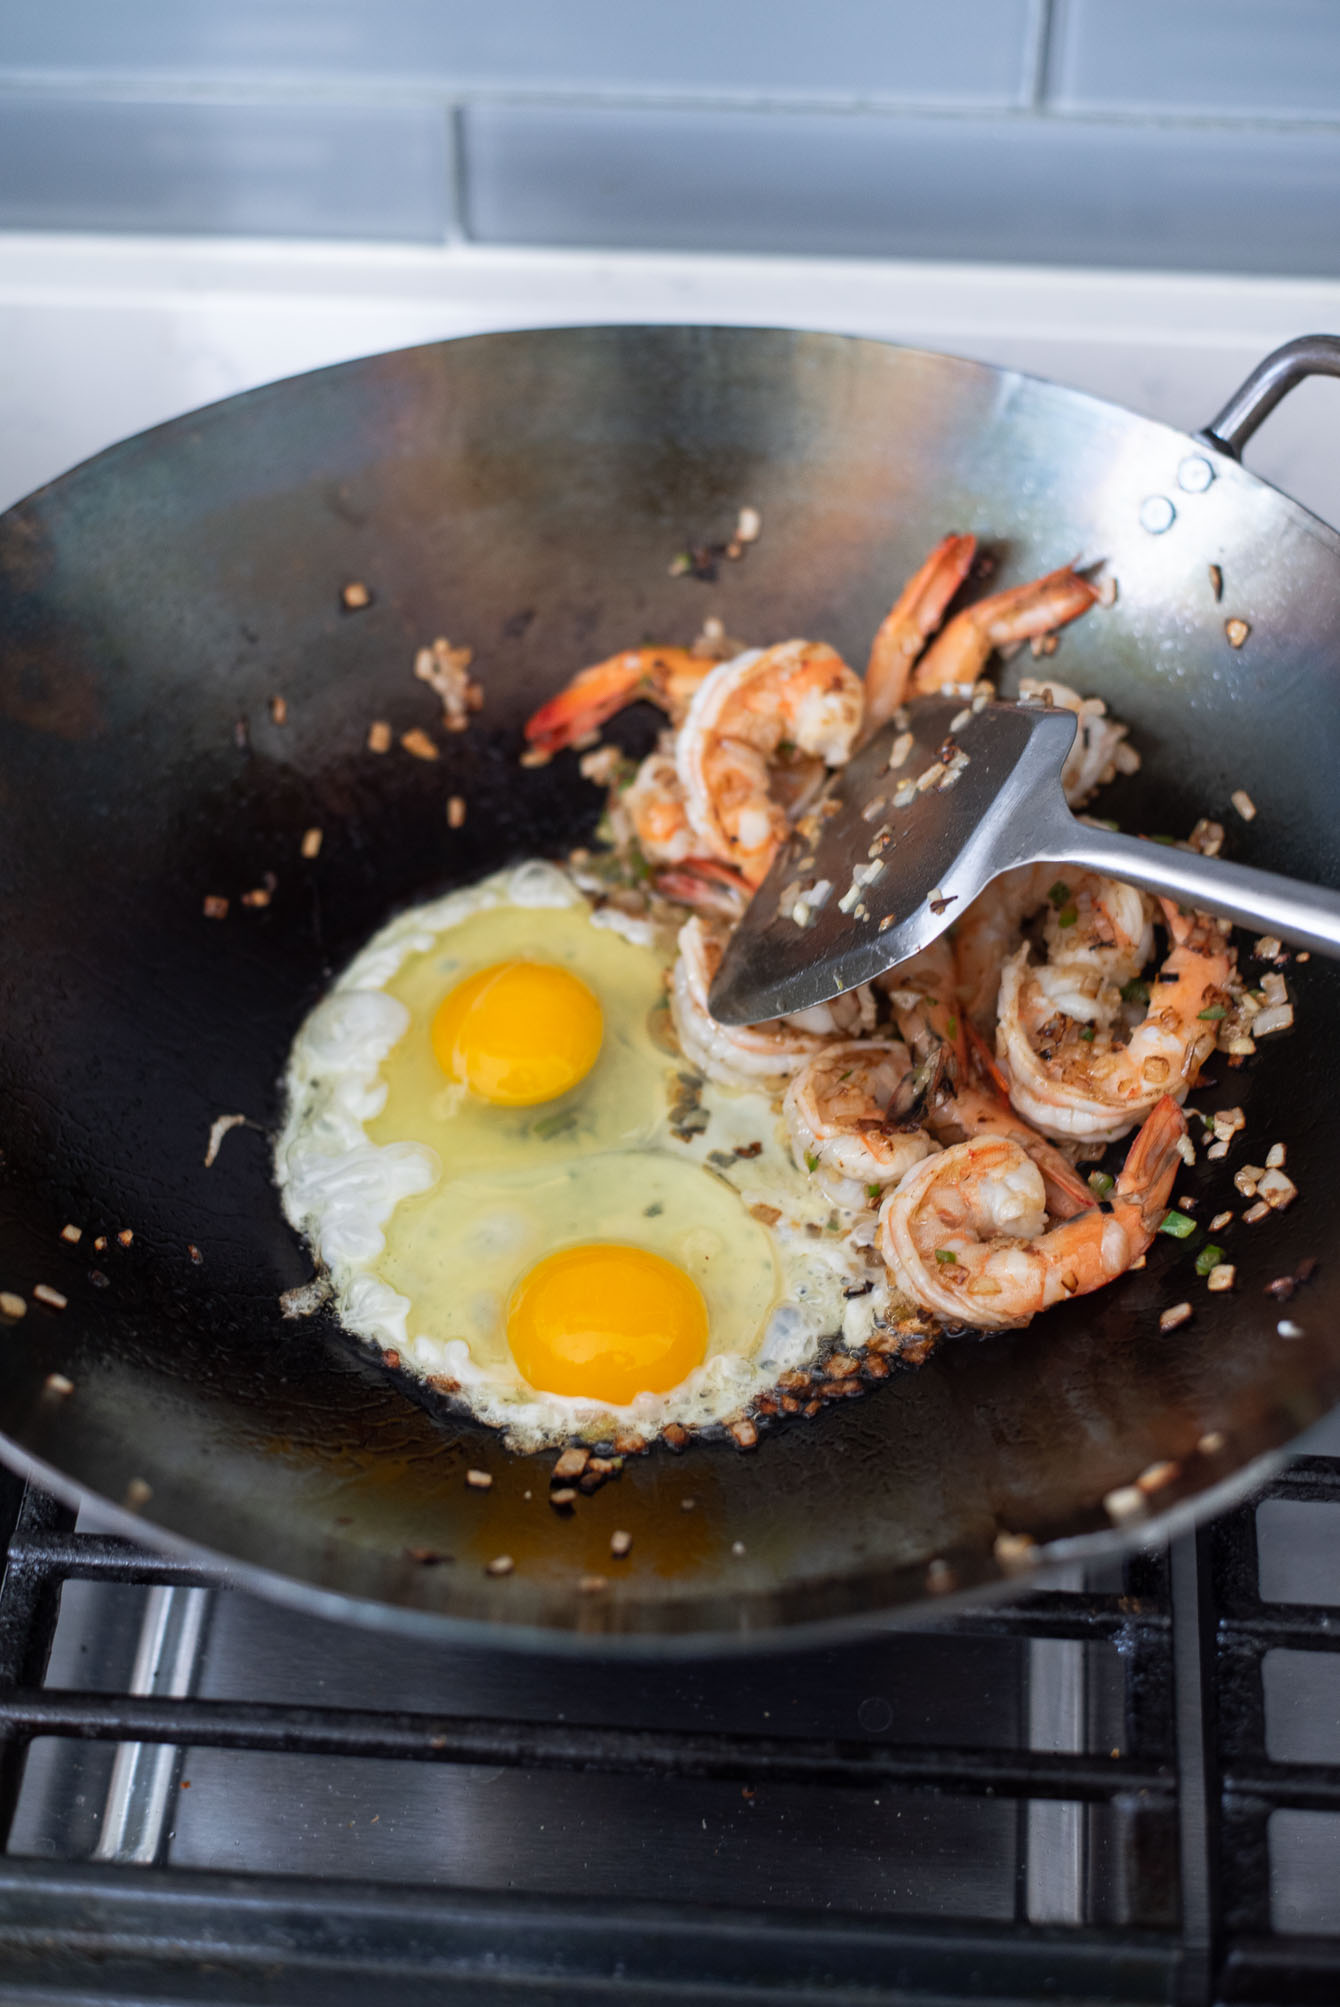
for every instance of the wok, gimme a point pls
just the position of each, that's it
(525, 494)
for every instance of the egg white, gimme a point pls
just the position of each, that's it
(426, 1206)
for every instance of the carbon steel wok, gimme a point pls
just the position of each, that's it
(525, 493)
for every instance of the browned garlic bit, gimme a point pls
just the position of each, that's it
(1015, 1550)
(379, 736)
(445, 670)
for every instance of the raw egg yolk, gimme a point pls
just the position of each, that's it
(606, 1322)
(518, 1032)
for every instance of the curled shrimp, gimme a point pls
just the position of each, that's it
(979, 1106)
(745, 1055)
(667, 677)
(914, 616)
(1106, 939)
(654, 805)
(1100, 750)
(958, 1089)
(1090, 1082)
(836, 1116)
(801, 694)
(1019, 613)
(965, 1233)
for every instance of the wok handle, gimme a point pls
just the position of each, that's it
(1281, 371)
(1307, 915)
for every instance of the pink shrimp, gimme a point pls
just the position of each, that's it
(959, 655)
(665, 676)
(965, 1233)
(907, 627)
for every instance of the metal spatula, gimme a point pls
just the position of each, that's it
(937, 805)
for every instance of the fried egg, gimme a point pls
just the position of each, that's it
(518, 1187)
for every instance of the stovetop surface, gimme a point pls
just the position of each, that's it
(1122, 1786)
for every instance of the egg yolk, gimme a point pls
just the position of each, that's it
(518, 1032)
(606, 1322)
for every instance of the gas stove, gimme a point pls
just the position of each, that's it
(1124, 1786)
(1121, 1787)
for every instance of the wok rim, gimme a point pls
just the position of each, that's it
(781, 1635)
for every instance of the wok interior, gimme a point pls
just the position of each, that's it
(525, 494)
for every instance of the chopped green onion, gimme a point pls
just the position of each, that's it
(811, 1163)
(1171, 841)
(1179, 1225)
(873, 1191)
(1059, 893)
(1101, 1183)
(1208, 1258)
(1087, 1034)
(1135, 992)
(1214, 1012)
(946, 1255)
(1067, 916)
(951, 1027)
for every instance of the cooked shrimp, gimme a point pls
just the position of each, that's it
(907, 627)
(852, 1015)
(665, 676)
(1100, 749)
(654, 805)
(971, 1111)
(836, 1116)
(706, 885)
(957, 1090)
(800, 693)
(965, 1233)
(959, 655)
(748, 1055)
(1106, 939)
(1087, 1082)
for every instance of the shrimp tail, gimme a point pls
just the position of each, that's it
(706, 885)
(665, 676)
(1019, 613)
(909, 624)
(1146, 1179)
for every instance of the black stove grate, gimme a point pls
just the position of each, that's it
(1178, 1809)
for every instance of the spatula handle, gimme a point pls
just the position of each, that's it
(1306, 915)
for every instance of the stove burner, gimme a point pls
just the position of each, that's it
(1125, 1786)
